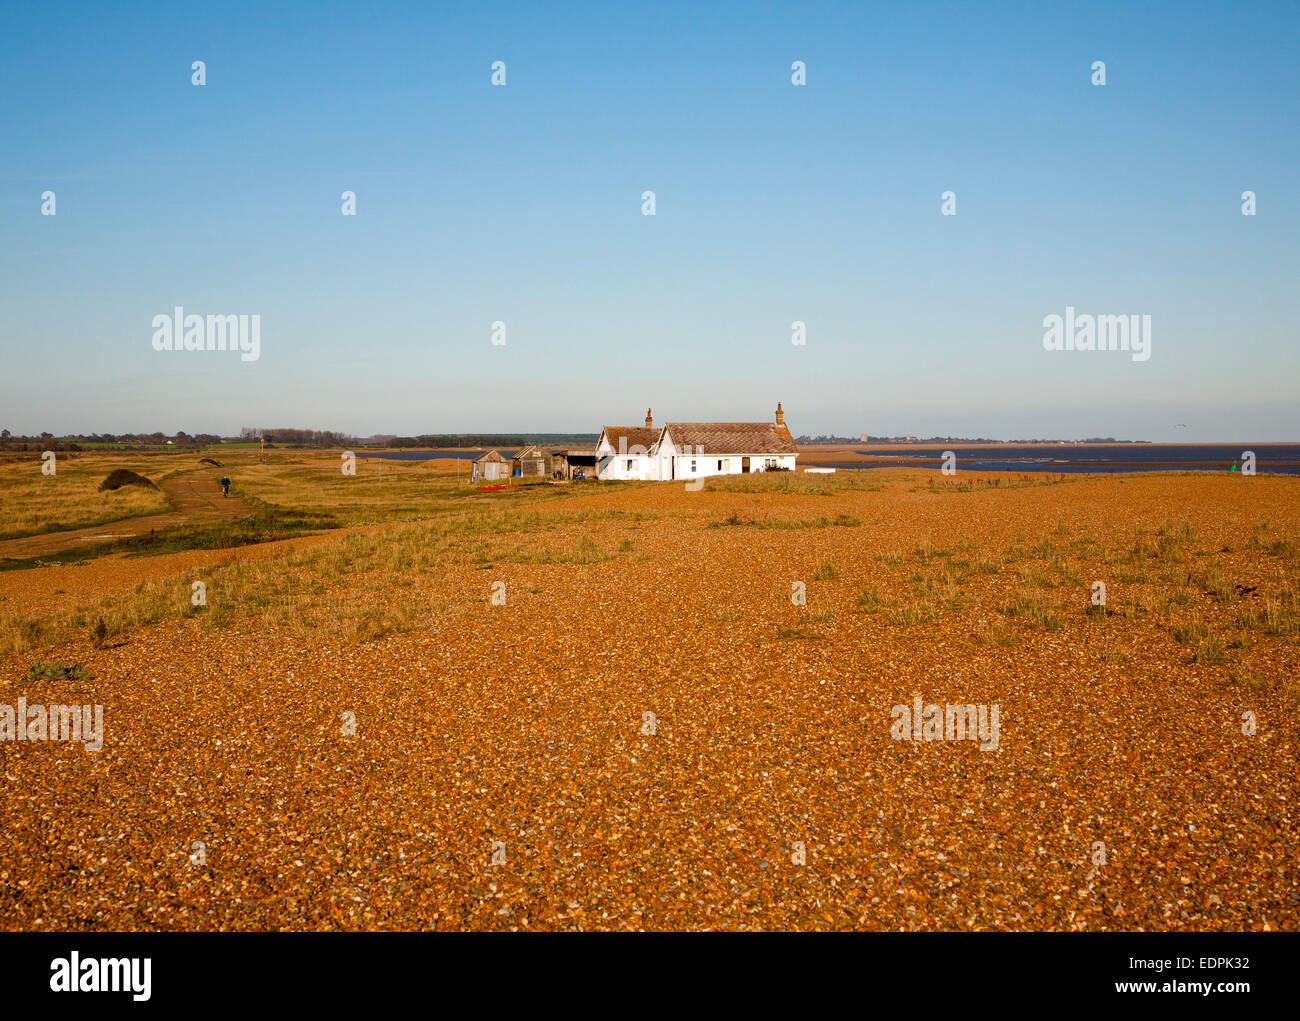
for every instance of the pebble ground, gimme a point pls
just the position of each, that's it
(504, 774)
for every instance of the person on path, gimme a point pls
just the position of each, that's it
(225, 486)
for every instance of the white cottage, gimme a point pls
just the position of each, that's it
(628, 451)
(693, 450)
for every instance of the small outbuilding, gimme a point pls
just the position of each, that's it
(491, 467)
(534, 461)
(569, 462)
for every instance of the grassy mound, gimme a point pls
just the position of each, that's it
(208, 460)
(123, 477)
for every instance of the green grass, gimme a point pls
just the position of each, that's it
(56, 672)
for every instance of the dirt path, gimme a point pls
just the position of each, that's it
(195, 497)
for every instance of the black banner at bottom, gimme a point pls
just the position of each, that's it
(147, 971)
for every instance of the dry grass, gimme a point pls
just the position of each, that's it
(380, 491)
(1029, 607)
(32, 503)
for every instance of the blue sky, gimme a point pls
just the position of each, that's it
(775, 203)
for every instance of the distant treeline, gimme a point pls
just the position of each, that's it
(48, 441)
(493, 440)
(286, 437)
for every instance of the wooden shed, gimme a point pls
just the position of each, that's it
(534, 461)
(491, 467)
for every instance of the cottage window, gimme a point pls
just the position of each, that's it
(692, 467)
(720, 463)
(630, 464)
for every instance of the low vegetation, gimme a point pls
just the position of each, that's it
(120, 477)
(1220, 602)
(32, 503)
(56, 672)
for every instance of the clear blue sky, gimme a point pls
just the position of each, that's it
(775, 203)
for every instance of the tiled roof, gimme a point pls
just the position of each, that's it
(636, 436)
(733, 437)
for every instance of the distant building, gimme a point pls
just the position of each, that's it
(533, 461)
(691, 450)
(578, 459)
(490, 468)
(628, 451)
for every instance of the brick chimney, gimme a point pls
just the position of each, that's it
(780, 415)
(649, 422)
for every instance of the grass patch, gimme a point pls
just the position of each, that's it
(996, 636)
(1188, 632)
(870, 600)
(735, 520)
(56, 672)
(1210, 650)
(915, 613)
(795, 483)
(1274, 616)
(1029, 608)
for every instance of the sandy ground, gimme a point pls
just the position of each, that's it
(503, 773)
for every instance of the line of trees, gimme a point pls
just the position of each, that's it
(80, 441)
(288, 437)
(492, 440)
